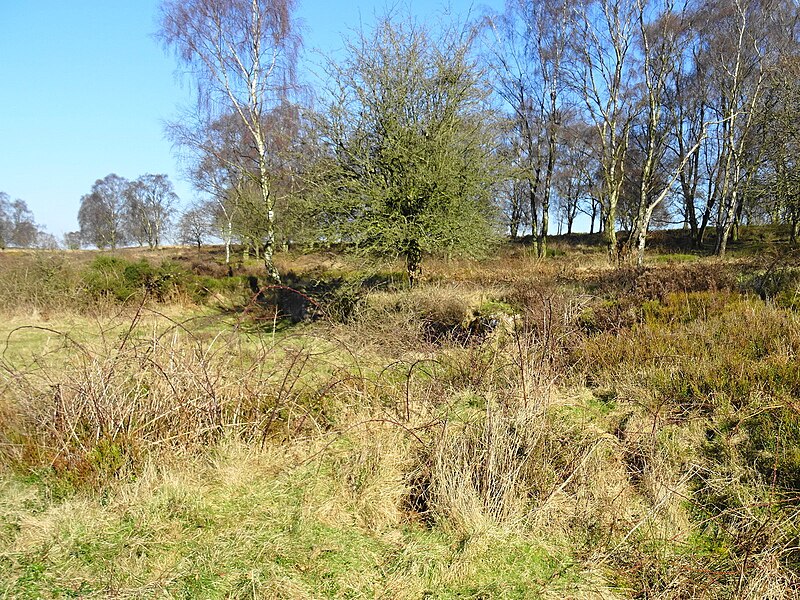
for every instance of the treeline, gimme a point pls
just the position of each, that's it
(18, 229)
(634, 113)
(118, 212)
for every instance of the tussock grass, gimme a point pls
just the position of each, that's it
(249, 524)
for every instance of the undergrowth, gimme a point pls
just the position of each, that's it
(560, 430)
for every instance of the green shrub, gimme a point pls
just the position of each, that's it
(111, 277)
(780, 284)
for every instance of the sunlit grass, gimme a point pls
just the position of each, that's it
(248, 524)
(611, 433)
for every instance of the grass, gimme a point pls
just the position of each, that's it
(247, 525)
(512, 428)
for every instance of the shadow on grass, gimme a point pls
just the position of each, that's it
(312, 296)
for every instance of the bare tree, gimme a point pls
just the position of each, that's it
(551, 23)
(72, 240)
(17, 226)
(101, 214)
(46, 241)
(688, 107)
(149, 204)
(24, 230)
(663, 34)
(243, 55)
(194, 225)
(659, 31)
(743, 40)
(574, 176)
(603, 74)
(214, 154)
(511, 52)
(5, 225)
(779, 131)
(529, 52)
(511, 201)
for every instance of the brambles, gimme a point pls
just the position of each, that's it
(113, 404)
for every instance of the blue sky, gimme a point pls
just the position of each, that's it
(86, 90)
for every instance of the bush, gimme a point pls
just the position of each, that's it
(104, 408)
(111, 277)
(40, 281)
(779, 283)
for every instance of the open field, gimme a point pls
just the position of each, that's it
(509, 428)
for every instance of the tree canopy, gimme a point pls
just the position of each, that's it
(242, 54)
(17, 226)
(117, 211)
(406, 163)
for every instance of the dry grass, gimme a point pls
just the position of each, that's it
(256, 523)
(93, 409)
(626, 433)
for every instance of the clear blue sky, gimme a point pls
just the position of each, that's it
(86, 90)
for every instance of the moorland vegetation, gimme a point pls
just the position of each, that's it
(507, 428)
(306, 412)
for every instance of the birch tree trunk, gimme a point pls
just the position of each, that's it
(243, 54)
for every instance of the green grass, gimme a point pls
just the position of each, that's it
(249, 524)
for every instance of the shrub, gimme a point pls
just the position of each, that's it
(780, 283)
(314, 295)
(40, 281)
(104, 408)
(111, 277)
